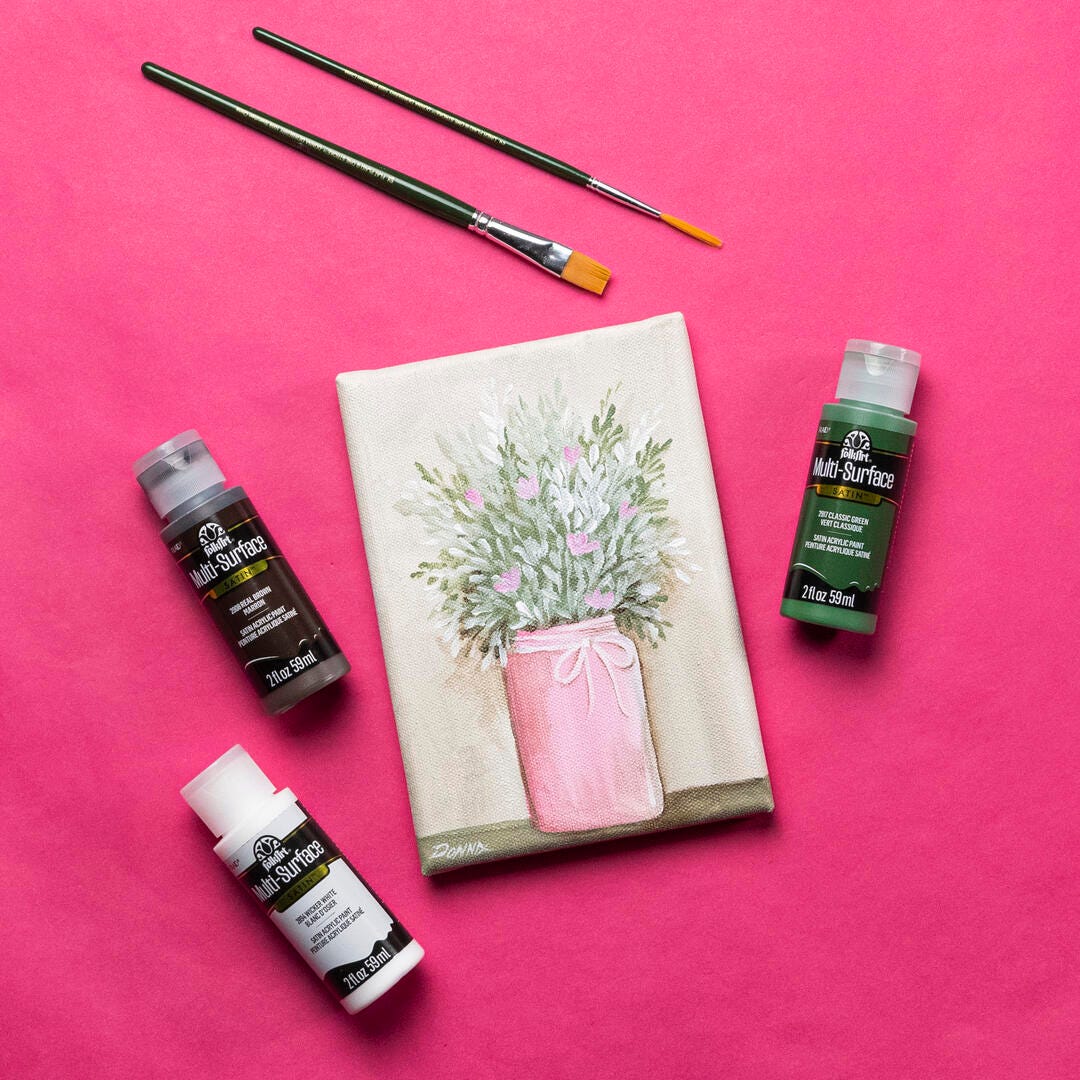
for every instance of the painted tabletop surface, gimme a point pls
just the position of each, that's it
(903, 172)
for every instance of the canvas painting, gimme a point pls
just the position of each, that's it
(554, 599)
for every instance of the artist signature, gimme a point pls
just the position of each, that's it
(445, 850)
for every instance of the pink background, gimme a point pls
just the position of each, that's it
(901, 171)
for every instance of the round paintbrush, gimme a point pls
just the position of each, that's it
(481, 134)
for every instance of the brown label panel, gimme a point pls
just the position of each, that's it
(248, 587)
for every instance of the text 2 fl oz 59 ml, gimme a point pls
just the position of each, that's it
(853, 490)
(238, 573)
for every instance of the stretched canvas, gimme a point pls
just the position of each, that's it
(553, 592)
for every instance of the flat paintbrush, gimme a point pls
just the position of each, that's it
(557, 259)
(476, 131)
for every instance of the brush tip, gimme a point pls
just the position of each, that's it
(586, 273)
(691, 230)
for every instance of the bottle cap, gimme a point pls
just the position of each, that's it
(228, 792)
(178, 471)
(878, 374)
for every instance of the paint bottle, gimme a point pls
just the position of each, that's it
(303, 882)
(853, 491)
(240, 576)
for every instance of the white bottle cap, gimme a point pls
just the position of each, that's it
(878, 374)
(177, 471)
(228, 792)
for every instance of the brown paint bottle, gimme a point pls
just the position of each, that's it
(240, 576)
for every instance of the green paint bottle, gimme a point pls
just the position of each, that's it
(853, 490)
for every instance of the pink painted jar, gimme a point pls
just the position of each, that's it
(577, 709)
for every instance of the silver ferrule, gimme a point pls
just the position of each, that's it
(620, 196)
(545, 253)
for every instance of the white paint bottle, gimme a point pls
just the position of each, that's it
(301, 879)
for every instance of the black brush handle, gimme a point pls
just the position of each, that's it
(405, 188)
(434, 112)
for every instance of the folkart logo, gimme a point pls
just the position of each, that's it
(213, 538)
(857, 446)
(268, 851)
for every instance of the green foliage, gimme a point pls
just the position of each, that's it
(519, 483)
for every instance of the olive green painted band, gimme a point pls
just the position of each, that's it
(507, 839)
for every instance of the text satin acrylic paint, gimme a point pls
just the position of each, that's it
(308, 888)
(853, 491)
(239, 574)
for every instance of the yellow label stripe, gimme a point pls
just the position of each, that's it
(245, 573)
(851, 494)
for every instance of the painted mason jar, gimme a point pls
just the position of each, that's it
(578, 713)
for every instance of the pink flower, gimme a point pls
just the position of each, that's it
(626, 511)
(580, 544)
(571, 454)
(605, 601)
(475, 498)
(509, 580)
(528, 487)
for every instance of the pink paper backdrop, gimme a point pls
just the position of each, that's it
(901, 171)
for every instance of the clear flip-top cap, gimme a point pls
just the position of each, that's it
(178, 471)
(878, 374)
(228, 792)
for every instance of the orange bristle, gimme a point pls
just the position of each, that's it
(691, 230)
(585, 273)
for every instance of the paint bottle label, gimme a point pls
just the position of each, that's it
(319, 901)
(254, 597)
(852, 498)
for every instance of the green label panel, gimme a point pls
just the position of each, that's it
(853, 493)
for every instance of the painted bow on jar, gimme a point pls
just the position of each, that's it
(615, 651)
